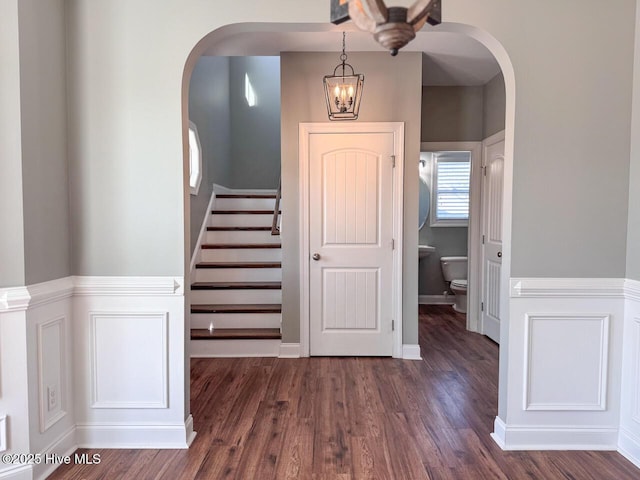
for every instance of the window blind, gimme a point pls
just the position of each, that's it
(452, 189)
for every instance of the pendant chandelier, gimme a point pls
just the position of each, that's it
(343, 91)
(392, 27)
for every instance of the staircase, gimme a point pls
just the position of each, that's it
(236, 292)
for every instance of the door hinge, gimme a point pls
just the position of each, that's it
(393, 161)
(484, 170)
(482, 306)
(393, 325)
(483, 239)
(393, 244)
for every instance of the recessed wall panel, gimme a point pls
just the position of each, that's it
(129, 360)
(51, 371)
(566, 362)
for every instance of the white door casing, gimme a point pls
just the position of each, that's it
(492, 211)
(351, 217)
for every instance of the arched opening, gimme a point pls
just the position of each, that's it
(262, 39)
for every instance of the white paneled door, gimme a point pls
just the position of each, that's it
(351, 243)
(492, 192)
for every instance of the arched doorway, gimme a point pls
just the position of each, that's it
(257, 39)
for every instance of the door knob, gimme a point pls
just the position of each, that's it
(499, 254)
(316, 256)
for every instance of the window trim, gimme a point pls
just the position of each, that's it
(434, 221)
(195, 178)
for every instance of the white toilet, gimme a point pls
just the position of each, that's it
(454, 270)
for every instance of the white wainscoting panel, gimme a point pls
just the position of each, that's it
(124, 375)
(52, 381)
(129, 359)
(629, 438)
(566, 361)
(564, 377)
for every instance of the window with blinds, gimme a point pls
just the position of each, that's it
(450, 189)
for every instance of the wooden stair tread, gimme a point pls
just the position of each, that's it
(237, 308)
(236, 286)
(238, 229)
(236, 334)
(252, 195)
(239, 265)
(243, 212)
(215, 246)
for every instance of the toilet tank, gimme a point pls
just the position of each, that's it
(454, 268)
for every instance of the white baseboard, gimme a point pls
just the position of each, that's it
(23, 472)
(234, 348)
(133, 436)
(531, 437)
(289, 350)
(64, 446)
(411, 352)
(190, 433)
(499, 433)
(629, 447)
(435, 299)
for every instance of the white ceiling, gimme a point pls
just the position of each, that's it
(450, 58)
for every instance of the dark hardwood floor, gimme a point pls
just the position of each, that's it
(353, 418)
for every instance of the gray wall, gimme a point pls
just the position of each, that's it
(44, 140)
(11, 216)
(452, 114)
(494, 100)
(392, 92)
(255, 131)
(571, 158)
(633, 234)
(34, 198)
(209, 110)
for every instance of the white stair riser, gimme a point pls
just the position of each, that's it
(236, 320)
(245, 204)
(241, 255)
(241, 220)
(238, 275)
(235, 297)
(241, 237)
(234, 348)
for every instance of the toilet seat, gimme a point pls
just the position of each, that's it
(459, 284)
